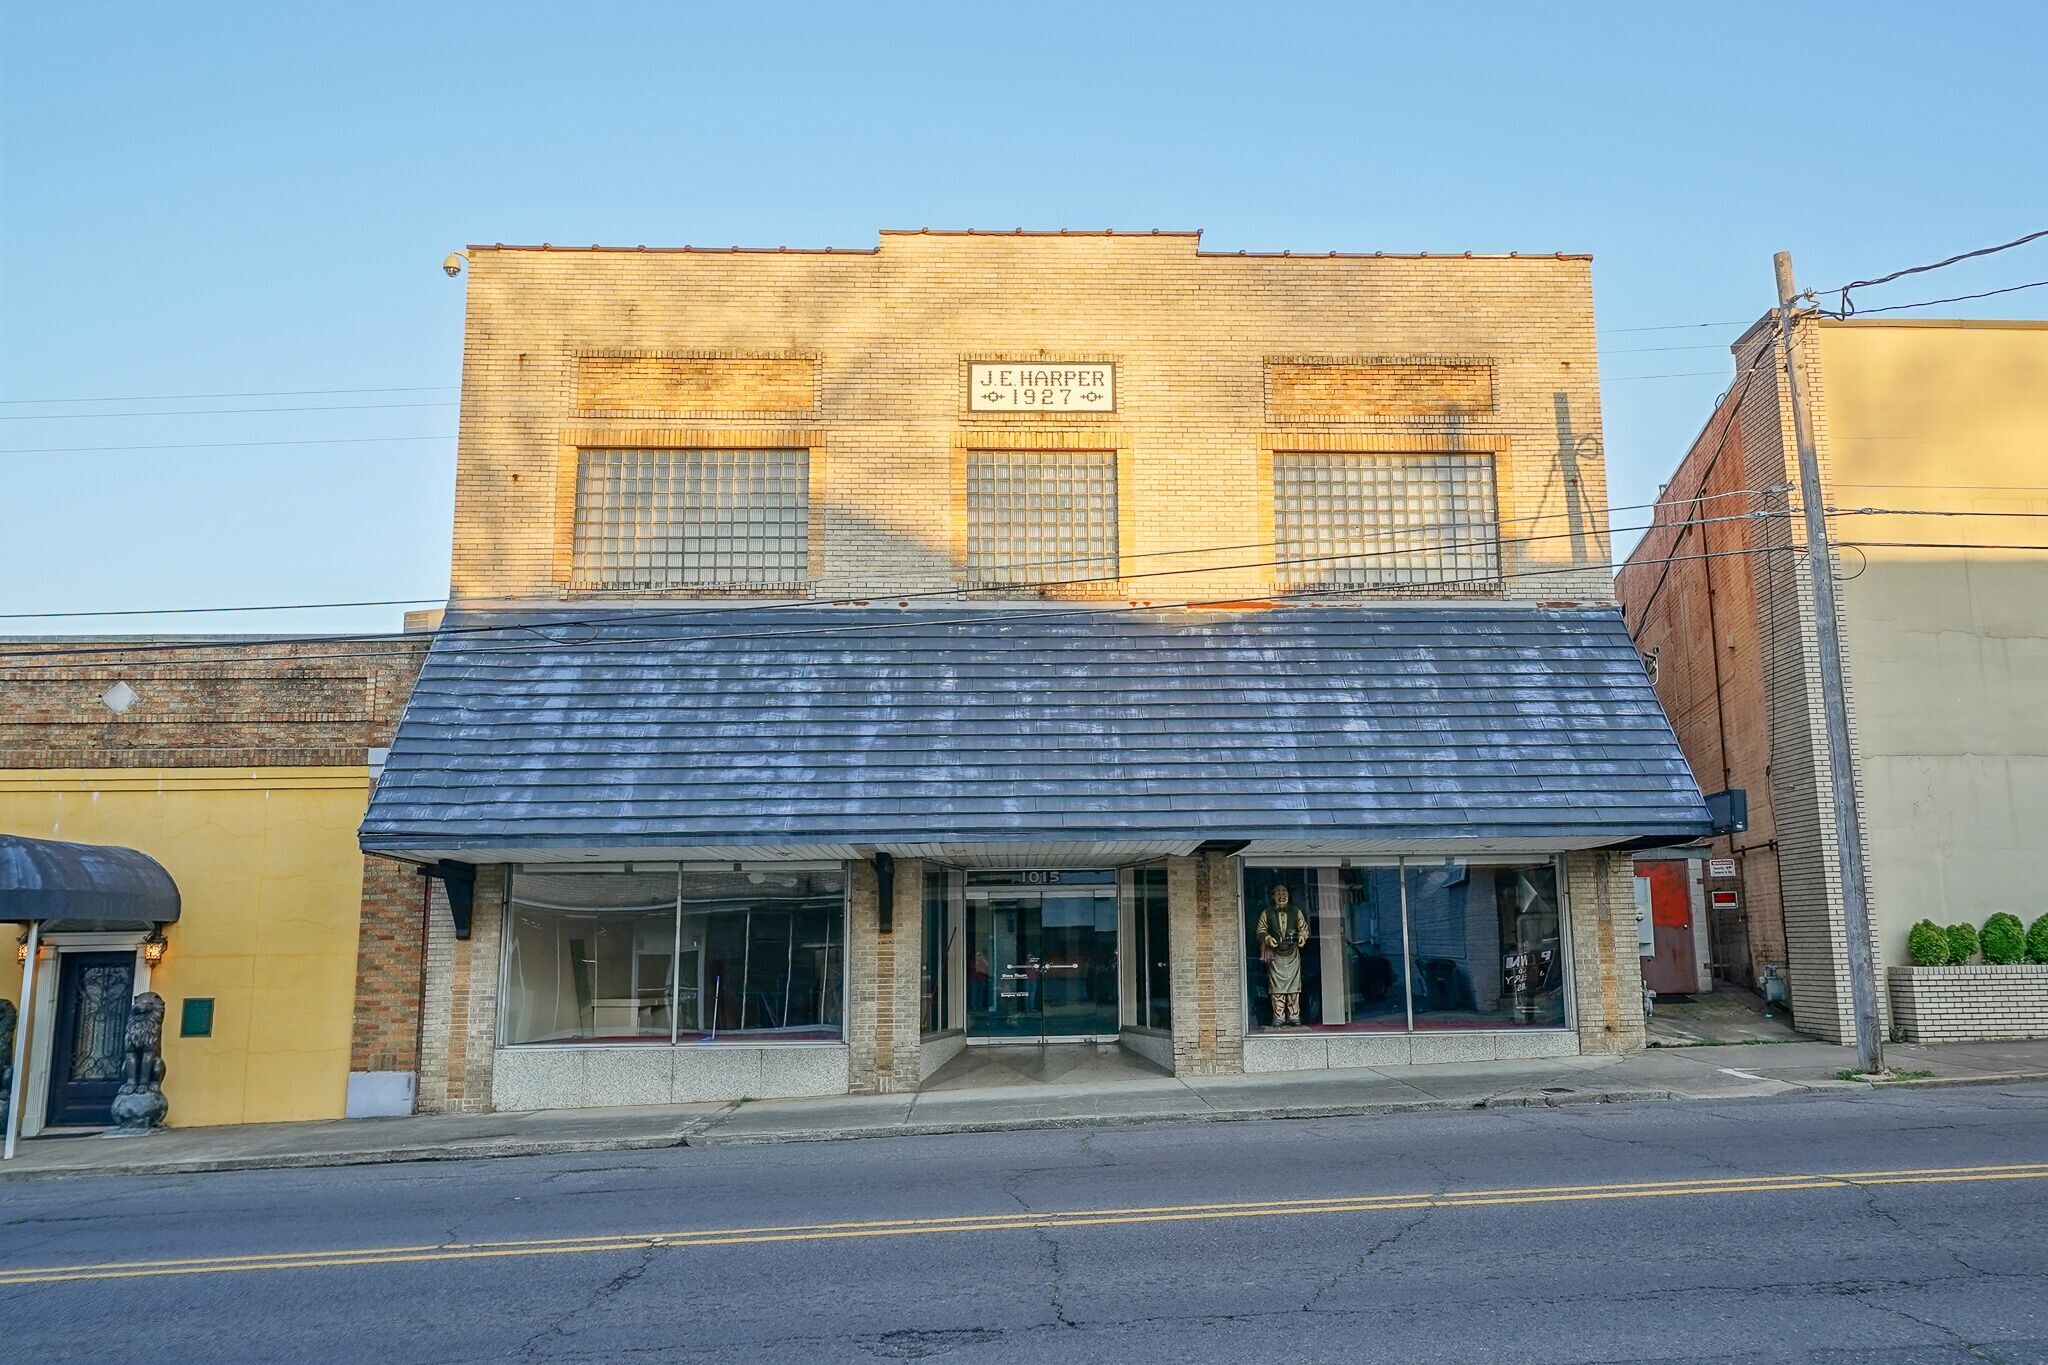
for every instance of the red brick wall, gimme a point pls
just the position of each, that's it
(1698, 613)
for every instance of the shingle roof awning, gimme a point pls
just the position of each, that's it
(83, 887)
(816, 726)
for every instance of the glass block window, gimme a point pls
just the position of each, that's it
(1038, 516)
(1385, 521)
(664, 519)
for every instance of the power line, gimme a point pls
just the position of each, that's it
(1317, 596)
(220, 445)
(1930, 303)
(1847, 309)
(200, 611)
(207, 412)
(1675, 327)
(246, 393)
(950, 592)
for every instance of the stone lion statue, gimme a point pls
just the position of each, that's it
(139, 1105)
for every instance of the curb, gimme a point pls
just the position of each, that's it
(705, 1133)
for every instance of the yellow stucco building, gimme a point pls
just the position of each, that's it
(244, 774)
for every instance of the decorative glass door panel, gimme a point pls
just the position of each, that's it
(93, 994)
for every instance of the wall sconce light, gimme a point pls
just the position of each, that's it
(21, 951)
(154, 947)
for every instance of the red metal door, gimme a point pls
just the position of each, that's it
(1674, 970)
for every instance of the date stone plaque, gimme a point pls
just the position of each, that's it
(1041, 386)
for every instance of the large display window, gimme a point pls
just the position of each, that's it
(1422, 945)
(677, 955)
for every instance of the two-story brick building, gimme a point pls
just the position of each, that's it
(856, 655)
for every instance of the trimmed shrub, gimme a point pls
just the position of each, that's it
(2004, 939)
(2037, 941)
(1927, 944)
(1962, 943)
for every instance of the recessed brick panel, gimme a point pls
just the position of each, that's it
(1298, 390)
(697, 385)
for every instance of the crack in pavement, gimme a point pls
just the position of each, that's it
(610, 1288)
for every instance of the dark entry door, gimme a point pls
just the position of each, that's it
(93, 994)
(1042, 964)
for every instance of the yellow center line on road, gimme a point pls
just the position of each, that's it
(1013, 1221)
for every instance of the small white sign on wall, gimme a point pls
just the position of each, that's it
(1720, 867)
(1040, 386)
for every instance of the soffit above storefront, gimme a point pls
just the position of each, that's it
(83, 888)
(933, 732)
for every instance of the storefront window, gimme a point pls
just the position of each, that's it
(590, 957)
(1487, 947)
(762, 956)
(1324, 947)
(654, 956)
(1475, 946)
(1154, 968)
(935, 992)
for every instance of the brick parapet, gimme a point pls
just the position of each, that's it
(203, 704)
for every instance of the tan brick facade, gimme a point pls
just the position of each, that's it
(1218, 358)
(862, 360)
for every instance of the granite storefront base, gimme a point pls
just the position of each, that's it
(603, 1077)
(1337, 1051)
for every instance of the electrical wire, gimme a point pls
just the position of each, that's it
(245, 393)
(1848, 309)
(1321, 595)
(613, 616)
(1930, 303)
(211, 412)
(220, 445)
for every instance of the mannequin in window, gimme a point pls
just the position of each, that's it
(1282, 934)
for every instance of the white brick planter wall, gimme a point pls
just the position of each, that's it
(1978, 1004)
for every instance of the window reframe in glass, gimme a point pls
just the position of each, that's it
(678, 873)
(1403, 865)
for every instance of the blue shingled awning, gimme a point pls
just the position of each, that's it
(768, 728)
(83, 887)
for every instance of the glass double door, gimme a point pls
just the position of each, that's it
(1041, 964)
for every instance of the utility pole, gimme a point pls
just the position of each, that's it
(1820, 559)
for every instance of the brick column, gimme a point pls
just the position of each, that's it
(459, 1018)
(882, 980)
(1204, 946)
(1607, 971)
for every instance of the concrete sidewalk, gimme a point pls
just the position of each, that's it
(1670, 1073)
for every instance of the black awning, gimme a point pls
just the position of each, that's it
(82, 888)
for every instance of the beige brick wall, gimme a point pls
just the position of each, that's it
(890, 334)
(882, 972)
(1206, 958)
(1607, 973)
(1986, 1002)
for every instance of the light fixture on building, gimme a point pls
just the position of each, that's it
(154, 947)
(21, 951)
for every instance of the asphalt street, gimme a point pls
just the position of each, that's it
(1900, 1225)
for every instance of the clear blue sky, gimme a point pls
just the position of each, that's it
(206, 199)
